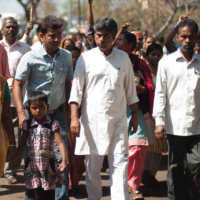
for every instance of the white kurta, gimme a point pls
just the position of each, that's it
(109, 86)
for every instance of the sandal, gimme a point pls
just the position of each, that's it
(136, 194)
(11, 180)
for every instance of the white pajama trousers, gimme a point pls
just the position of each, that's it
(118, 165)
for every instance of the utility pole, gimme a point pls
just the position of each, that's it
(69, 15)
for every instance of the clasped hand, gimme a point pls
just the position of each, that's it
(12, 154)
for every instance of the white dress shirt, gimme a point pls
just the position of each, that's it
(177, 95)
(15, 53)
(109, 86)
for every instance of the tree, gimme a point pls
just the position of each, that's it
(41, 8)
(155, 16)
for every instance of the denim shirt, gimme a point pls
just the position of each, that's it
(42, 73)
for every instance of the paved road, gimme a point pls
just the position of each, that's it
(16, 192)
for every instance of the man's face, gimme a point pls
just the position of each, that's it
(148, 41)
(52, 38)
(10, 29)
(186, 38)
(104, 39)
(139, 43)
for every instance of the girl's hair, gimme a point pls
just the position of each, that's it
(131, 38)
(37, 96)
(72, 48)
(152, 47)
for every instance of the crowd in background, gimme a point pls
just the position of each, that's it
(36, 82)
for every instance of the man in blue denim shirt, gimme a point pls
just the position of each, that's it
(47, 69)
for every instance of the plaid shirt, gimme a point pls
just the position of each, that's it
(41, 140)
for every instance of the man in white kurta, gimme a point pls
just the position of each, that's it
(103, 85)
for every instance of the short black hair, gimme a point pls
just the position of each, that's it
(131, 38)
(188, 22)
(52, 22)
(38, 29)
(152, 47)
(150, 37)
(160, 39)
(37, 96)
(106, 23)
(72, 48)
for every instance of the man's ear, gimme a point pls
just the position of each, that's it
(41, 36)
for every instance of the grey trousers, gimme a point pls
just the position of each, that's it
(11, 167)
(183, 184)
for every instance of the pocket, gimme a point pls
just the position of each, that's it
(196, 83)
(119, 78)
(43, 73)
(63, 75)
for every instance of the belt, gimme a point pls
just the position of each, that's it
(60, 108)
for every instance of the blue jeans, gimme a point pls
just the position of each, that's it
(61, 117)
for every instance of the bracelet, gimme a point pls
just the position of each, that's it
(134, 112)
(12, 145)
(21, 111)
(176, 27)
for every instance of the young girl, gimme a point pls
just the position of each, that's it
(42, 173)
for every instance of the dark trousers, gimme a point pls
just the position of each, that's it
(183, 184)
(40, 194)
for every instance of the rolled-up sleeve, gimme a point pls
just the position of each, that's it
(24, 68)
(130, 88)
(160, 96)
(78, 82)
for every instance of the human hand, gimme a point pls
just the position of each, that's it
(182, 17)
(63, 167)
(125, 27)
(75, 126)
(22, 116)
(81, 30)
(11, 154)
(160, 132)
(29, 27)
(133, 124)
(139, 88)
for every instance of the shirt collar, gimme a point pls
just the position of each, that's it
(110, 55)
(44, 53)
(180, 55)
(46, 121)
(16, 42)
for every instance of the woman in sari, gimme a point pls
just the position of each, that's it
(67, 41)
(7, 139)
(138, 142)
(156, 147)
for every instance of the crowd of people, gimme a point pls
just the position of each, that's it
(96, 100)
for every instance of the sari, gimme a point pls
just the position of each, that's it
(4, 142)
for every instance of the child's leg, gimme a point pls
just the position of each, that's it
(41, 194)
(135, 166)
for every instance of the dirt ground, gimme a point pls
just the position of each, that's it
(16, 192)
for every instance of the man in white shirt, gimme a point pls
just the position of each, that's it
(15, 50)
(177, 113)
(103, 85)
